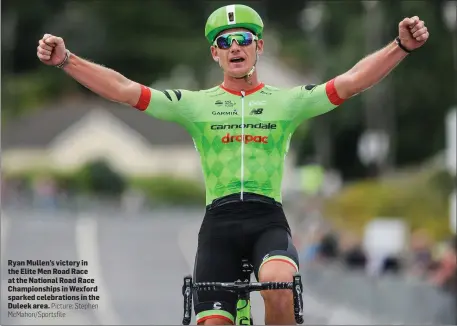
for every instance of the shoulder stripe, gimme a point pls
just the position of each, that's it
(177, 93)
(167, 95)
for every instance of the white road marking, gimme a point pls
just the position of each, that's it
(4, 232)
(187, 242)
(87, 249)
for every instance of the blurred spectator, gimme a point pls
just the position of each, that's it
(45, 192)
(421, 258)
(391, 265)
(311, 244)
(328, 248)
(14, 190)
(355, 258)
(312, 233)
(444, 275)
(310, 252)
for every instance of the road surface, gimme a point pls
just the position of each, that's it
(138, 263)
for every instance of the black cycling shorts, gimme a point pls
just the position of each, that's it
(232, 232)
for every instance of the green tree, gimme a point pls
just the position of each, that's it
(98, 177)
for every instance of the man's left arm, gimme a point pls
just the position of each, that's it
(372, 69)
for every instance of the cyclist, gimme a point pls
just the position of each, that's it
(241, 129)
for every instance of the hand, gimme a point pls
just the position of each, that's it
(412, 32)
(51, 50)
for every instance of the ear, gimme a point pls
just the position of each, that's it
(214, 53)
(259, 47)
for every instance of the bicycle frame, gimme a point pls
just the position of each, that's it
(243, 310)
(243, 290)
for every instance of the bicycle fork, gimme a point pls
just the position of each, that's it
(243, 310)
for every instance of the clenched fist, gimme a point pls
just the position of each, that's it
(412, 32)
(51, 50)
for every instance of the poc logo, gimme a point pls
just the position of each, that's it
(217, 305)
(256, 111)
(257, 103)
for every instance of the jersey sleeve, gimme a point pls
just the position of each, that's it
(170, 105)
(311, 100)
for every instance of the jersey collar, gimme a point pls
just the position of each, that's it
(257, 88)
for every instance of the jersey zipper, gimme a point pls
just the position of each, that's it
(242, 143)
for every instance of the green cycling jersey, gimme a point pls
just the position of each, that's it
(242, 137)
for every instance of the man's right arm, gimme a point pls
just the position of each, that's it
(164, 105)
(103, 81)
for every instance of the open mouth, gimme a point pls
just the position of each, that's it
(237, 59)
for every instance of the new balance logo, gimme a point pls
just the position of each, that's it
(256, 111)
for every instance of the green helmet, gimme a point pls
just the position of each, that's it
(233, 16)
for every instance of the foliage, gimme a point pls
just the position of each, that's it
(420, 199)
(411, 95)
(144, 40)
(95, 177)
(171, 190)
(99, 178)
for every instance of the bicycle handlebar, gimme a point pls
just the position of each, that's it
(243, 287)
(239, 287)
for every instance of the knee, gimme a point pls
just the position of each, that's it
(215, 321)
(277, 272)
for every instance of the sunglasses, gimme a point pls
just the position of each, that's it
(224, 41)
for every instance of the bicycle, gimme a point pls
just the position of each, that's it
(243, 289)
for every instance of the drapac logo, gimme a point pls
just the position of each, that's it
(218, 102)
(259, 125)
(245, 139)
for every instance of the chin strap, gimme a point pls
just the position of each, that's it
(251, 71)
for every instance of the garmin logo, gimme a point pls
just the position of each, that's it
(234, 112)
(268, 126)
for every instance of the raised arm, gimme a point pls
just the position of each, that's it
(100, 80)
(373, 68)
